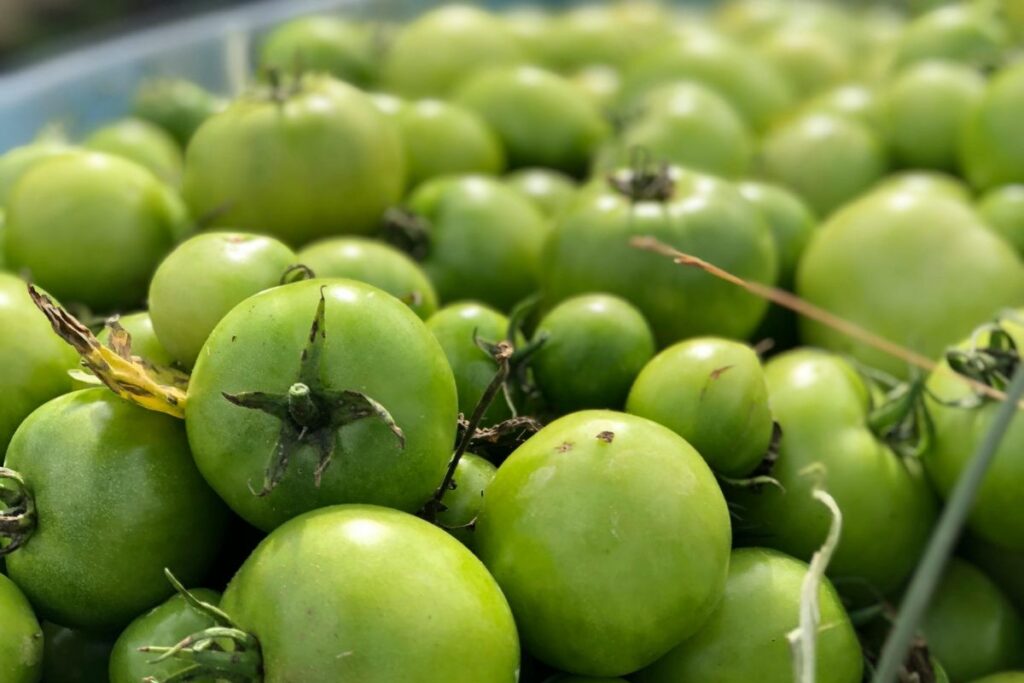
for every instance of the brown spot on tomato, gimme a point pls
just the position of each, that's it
(606, 436)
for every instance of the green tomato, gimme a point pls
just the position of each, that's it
(924, 108)
(21, 639)
(454, 327)
(374, 263)
(549, 190)
(128, 503)
(822, 404)
(372, 344)
(144, 340)
(605, 34)
(531, 27)
(484, 238)
(971, 627)
(144, 143)
(1005, 567)
(34, 362)
(397, 598)
(593, 348)
(164, 626)
(433, 53)
(74, 656)
(920, 270)
(176, 105)
(561, 678)
(320, 43)
(856, 101)
(753, 19)
(3, 230)
(1002, 208)
(689, 125)
(589, 251)
(746, 637)
(712, 393)
(610, 538)
(957, 32)
(1003, 677)
(926, 183)
(791, 222)
(809, 61)
(992, 140)
(203, 279)
(18, 161)
(299, 160)
(473, 475)
(541, 118)
(91, 228)
(825, 158)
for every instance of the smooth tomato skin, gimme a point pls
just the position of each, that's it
(859, 102)
(320, 43)
(1002, 208)
(809, 61)
(745, 638)
(92, 227)
(164, 625)
(1003, 677)
(550, 191)
(627, 527)
(21, 638)
(711, 392)
(821, 404)
(601, 83)
(176, 105)
(1005, 567)
(610, 34)
(74, 656)
(365, 581)
(18, 161)
(485, 240)
(374, 263)
(595, 346)
(322, 161)
(128, 503)
(473, 475)
(992, 140)
(583, 679)
(962, 33)
(144, 143)
(928, 183)
(917, 269)
(589, 251)
(375, 345)
(541, 118)
(204, 278)
(790, 219)
(34, 362)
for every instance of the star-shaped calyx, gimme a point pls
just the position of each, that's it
(310, 413)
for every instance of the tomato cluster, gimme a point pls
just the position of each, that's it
(387, 353)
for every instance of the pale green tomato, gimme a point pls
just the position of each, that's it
(790, 220)
(176, 105)
(144, 143)
(856, 101)
(810, 62)
(551, 191)
(992, 141)
(21, 640)
(18, 161)
(1003, 210)
(927, 183)
(320, 43)
(473, 475)
(961, 32)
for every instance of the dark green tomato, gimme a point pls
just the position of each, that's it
(821, 404)
(176, 105)
(454, 328)
(1005, 567)
(18, 161)
(72, 656)
(594, 346)
(790, 220)
(825, 158)
(144, 143)
(1003, 677)
(565, 678)
(204, 278)
(992, 140)
(610, 538)
(920, 270)
(34, 362)
(473, 475)
(91, 228)
(541, 118)
(967, 33)
(485, 240)
(21, 639)
(432, 54)
(372, 595)
(589, 251)
(809, 61)
(746, 637)
(924, 108)
(304, 159)
(712, 393)
(373, 344)
(855, 101)
(118, 499)
(320, 43)
(927, 183)
(374, 263)
(549, 190)
(971, 627)
(163, 626)
(689, 125)
(1002, 208)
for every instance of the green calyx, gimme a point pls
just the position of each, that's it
(991, 362)
(17, 512)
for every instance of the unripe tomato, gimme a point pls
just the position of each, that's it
(856, 101)
(320, 43)
(791, 222)
(473, 475)
(74, 655)
(810, 61)
(18, 161)
(609, 34)
(1004, 677)
(565, 678)
(967, 33)
(21, 639)
(926, 183)
(144, 143)
(1005, 567)
(992, 140)
(550, 191)
(1002, 208)
(178, 106)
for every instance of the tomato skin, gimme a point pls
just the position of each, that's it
(588, 496)
(364, 580)
(375, 264)
(595, 347)
(473, 475)
(18, 161)
(791, 222)
(34, 362)
(21, 639)
(810, 62)
(101, 242)
(497, 265)
(583, 679)
(712, 393)
(374, 344)
(821, 404)
(144, 143)
(610, 34)
(164, 625)
(321, 162)
(320, 43)
(928, 183)
(961, 33)
(549, 190)
(97, 556)
(1002, 208)
(176, 105)
(745, 638)
(992, 140)
(204, 278)
(1005, 567)
(1004, 677)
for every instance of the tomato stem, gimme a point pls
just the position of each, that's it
(18, 518)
